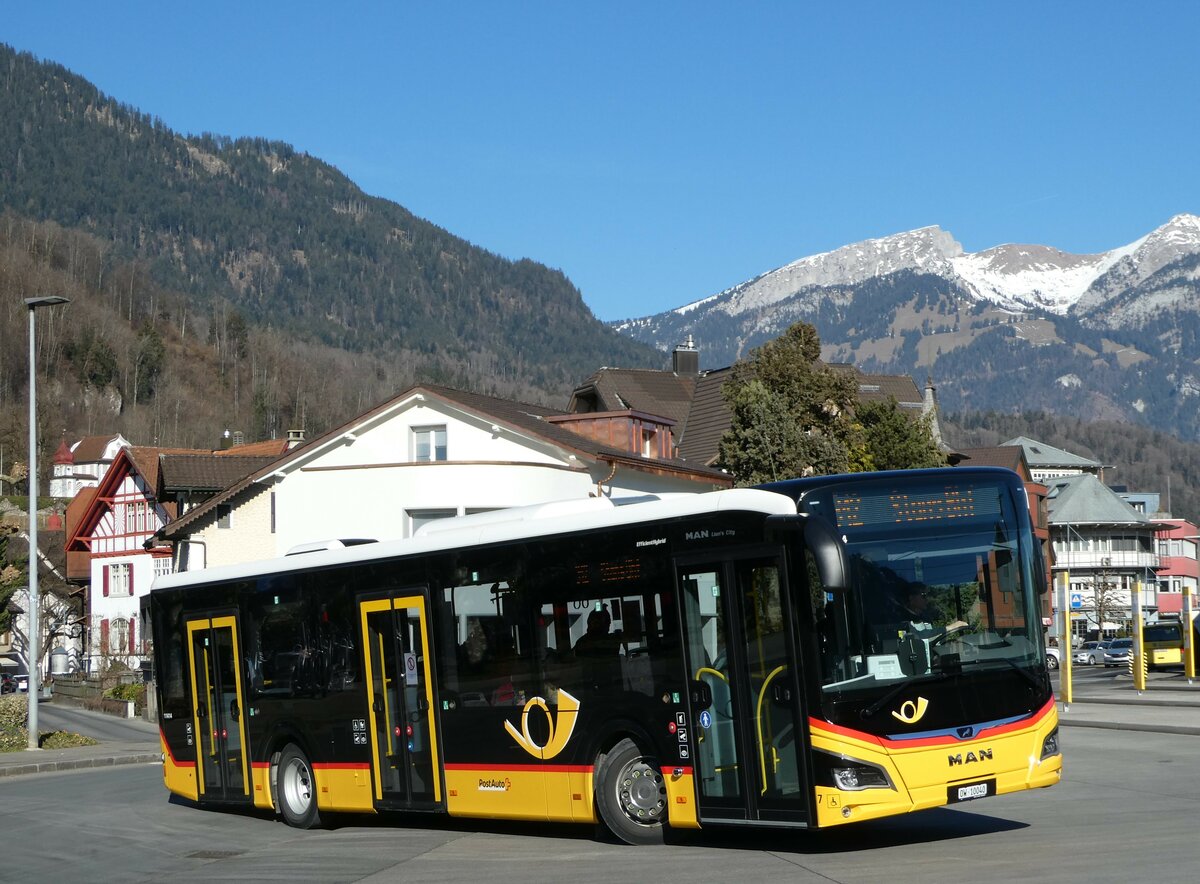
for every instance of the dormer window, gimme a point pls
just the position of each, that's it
(429, 444)
(649, 448)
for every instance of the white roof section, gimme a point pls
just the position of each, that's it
(517, 523)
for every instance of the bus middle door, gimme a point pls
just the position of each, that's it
(747, 726)
(218, 698)
(402, 725)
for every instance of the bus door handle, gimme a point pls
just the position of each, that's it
(701, 694)
(377, 705)
(234, 712)
(201, 713)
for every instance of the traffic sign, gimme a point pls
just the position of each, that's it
(1076, 600)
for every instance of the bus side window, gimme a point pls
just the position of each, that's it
(493, 660)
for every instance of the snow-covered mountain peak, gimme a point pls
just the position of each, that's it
(927, 249)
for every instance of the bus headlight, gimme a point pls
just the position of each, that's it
(849, 774)
(1050, 744)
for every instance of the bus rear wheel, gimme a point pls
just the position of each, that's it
(297, 790)
(631, 794)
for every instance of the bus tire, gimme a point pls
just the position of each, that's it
(297, 790)
(631, 794)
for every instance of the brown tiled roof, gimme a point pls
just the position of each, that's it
(206, 472)
(91, 448)
(707, 420)
(269, 448)
(661, 393)
(1009, 456)
(516, 415)
(878, 387)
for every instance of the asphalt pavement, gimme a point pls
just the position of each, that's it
(1169, 705)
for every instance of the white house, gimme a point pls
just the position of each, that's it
(430, 453)
(83, 464)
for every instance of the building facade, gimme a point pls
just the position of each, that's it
(430, 453)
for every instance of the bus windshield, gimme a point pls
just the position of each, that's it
(942, 583)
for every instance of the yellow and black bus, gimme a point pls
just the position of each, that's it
(751, 656)
(1162, 642)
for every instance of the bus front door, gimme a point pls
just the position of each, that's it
(402, 726)
(747, 733)
(218, 695)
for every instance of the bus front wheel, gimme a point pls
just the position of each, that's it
(297, 790)
(631, 794)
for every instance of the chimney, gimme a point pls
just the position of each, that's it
(929, 408)
(686, 358)
(295, 437)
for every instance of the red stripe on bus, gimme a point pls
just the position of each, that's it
(339, 765)
(171, 754)
(944, 740)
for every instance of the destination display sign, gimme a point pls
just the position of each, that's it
(914, 505)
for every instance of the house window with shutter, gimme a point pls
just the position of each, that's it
(118, 580)
(119, 636)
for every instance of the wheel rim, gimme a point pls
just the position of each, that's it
(297, 786)
(642, 792)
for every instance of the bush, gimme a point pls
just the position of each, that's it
(133, 692)
(64, 740)
(14, 711)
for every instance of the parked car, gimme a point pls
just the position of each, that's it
(8, 683)
(1092, 653)
(1117, 653)
(1052, 658)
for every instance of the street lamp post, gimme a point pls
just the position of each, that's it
(34, 601)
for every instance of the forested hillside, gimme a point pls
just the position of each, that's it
(1138, 458)
(255, 264)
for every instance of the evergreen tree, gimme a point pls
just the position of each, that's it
(895, 440)
(790, 415)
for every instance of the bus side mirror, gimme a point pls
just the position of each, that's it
(829, 552)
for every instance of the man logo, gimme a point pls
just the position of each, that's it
(568, 712)
(965, 733)
(910, 712)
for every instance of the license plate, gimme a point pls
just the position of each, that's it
(971, 791)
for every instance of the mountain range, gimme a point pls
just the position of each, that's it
(1111, 336)
(262, 231)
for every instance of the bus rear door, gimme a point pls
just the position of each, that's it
(218, 698)
(402, 725)
(747, 725)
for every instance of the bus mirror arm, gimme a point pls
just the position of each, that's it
(829, 551)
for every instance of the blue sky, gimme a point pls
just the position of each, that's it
(660, 152)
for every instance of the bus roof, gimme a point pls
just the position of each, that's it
(516, 523)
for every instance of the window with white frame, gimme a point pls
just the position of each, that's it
(429, 444)
(119, 581)
(163, 566)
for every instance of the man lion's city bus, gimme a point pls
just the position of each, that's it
(747, 656)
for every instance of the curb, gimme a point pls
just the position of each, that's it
(16, 770)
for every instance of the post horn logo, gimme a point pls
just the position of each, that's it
(910, 712)
(568, 707)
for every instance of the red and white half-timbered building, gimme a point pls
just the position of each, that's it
(107, 529)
